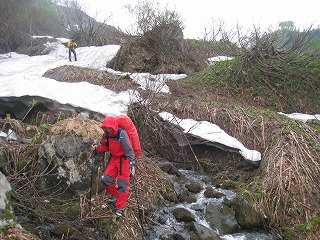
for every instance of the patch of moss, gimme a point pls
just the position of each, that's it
(288, 233)
(9, 212)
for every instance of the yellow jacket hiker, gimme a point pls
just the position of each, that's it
(72, 46)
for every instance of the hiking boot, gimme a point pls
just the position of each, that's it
(112, 200)
(119, 213)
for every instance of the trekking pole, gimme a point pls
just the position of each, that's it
(137, 198)
(92, 162)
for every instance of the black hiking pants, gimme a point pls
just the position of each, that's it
(74, 54)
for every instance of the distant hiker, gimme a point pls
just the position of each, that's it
(116, 177)
(72, 46)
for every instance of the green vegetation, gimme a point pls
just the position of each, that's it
(4, 228)
(312, 225)
(278, 69)
(295, 89)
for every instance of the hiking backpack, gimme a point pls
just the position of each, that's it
(126, 123)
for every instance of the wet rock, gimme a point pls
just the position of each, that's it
(181, 191)
(173, 236)
(198, 207)
(171, 196)
(229, 184)
(183, 215)
(246, 215)
(222, 218)
(191, 199)
(168, 167)
(194, 187)
(202, 232)
(211, 193)
(163, 216)
(313, 121)
(162, 219)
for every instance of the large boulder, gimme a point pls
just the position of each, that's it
(6, 212)
(246, 215)
(222, 218)
(70, 163)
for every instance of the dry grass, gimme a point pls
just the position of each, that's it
(78, 74)
(82, 127)
(291, 180)
(290, 170)
(151, 184)
(287, 188)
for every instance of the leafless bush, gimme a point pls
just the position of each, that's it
(148, 15)
(273, 63)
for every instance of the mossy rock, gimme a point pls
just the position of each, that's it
(183, 215)
(246, 215)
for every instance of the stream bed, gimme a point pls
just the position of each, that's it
(170, 228)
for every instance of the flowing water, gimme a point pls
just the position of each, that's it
(198, 210)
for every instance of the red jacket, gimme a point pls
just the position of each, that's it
(118, 142)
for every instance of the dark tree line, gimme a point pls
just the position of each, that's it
(21, 19)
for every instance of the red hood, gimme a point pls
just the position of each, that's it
(110, 122)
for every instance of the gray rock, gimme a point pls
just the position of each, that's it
(10, 136)
(194, 187)
(222, 218)
(202, 232)
(183, 215)
(168, 167)
(72, 160)
(6, 212)
(211, 193)
(246, 215)
(198, 207)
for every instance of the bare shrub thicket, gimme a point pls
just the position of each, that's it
(148, 15)
(23, 169)
(280, 62)
(162, 28)
(254, 46)
(85, 29)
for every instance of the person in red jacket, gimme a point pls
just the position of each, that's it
(116, 177)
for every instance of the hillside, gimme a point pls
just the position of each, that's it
(242, 95)
(22, 20)
(289, 148)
